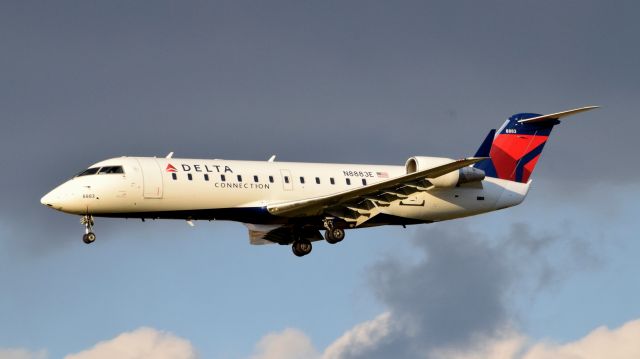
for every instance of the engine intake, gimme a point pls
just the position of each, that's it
(451, 179)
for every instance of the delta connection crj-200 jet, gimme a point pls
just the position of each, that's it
(290, 203)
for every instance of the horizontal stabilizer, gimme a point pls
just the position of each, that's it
(557, 116)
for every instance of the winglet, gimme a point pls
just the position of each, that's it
(558, 115)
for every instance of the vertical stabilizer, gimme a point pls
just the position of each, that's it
(518, 144)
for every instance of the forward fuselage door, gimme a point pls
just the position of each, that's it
(287, 181)
(151, 178)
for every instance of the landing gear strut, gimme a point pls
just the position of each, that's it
(332, 235)
(88, 237)
(301, 247)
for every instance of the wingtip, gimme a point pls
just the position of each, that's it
(473, 160)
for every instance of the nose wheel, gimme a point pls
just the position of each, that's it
(88, 237)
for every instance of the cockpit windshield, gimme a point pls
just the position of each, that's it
(110, 169)
(101, 171)
(88, 171)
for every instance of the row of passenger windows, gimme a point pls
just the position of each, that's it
(101, 170)
(256, 179)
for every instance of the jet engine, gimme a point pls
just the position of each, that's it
(451, 179)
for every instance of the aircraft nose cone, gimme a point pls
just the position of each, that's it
(47, 200)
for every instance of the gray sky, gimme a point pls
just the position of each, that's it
(335, 81)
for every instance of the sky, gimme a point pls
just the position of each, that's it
(331, 81)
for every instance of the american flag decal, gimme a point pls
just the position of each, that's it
(382, 174)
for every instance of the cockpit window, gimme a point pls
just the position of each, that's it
(101, 170)
(110, 169)
(88, 171)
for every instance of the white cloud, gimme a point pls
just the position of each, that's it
(288, 344)
(620, 343)
(15, 353)
(362, 337)
(139, 344)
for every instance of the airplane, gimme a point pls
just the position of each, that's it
(291, 203)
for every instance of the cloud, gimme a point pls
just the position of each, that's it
(288, 344)
(619, 343)
(140, 343)
(459, 294)
(15, 353)
(361, 338)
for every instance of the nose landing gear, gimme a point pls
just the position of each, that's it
(88, 237)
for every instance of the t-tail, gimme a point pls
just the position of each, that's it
(515, 148)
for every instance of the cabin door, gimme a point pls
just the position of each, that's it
(151, 178)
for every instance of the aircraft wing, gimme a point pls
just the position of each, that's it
(360, 204)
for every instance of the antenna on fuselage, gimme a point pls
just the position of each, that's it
(272, 158)
(169, 155)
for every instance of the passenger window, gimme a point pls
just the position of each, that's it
(255, 179)
(206, 177)
(271, 179)
(174, 176)
(286, 179)
(348, 180)
(302, 180)
(364, 182)
(239, 178)
(318, 180)
(189, 176)
(332, 180)
(223, 178)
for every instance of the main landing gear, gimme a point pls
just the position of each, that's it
(301, 247)
(332, 235)
(88, 237)
(302, 240)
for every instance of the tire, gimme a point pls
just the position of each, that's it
(301, 247)
(337, 234)
(89, 238)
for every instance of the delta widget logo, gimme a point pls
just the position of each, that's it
(170, 168)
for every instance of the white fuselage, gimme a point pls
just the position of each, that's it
(241, 190)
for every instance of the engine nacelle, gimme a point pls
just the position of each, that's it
(451, 179)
